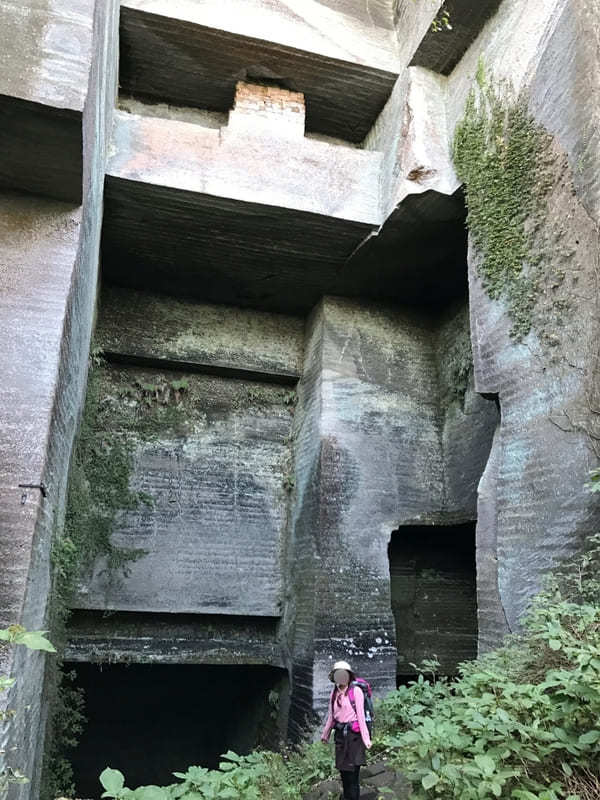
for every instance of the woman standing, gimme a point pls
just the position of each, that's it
(351, 733)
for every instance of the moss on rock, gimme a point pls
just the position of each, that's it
(505, 160)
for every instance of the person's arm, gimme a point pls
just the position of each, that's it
(359, 700)
(328, 724)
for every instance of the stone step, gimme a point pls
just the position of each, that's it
(343, 59)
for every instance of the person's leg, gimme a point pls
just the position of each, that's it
(356, 784)
(350, 782)
(344, 775)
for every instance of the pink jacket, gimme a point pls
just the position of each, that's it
(345, 713)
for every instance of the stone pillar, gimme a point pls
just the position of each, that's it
(368, 435)
(47, 296)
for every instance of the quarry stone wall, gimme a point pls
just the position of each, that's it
(533, 509)
(58, 92)
(295, 357)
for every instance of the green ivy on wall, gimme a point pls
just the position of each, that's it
(99, 476)
(505, 160)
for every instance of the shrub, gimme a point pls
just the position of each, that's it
(522, 722)
(262, 775)
(33, 640)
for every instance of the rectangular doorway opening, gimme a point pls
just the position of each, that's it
(150, 720)
(433, 591)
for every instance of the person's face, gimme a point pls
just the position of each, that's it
(341, 677)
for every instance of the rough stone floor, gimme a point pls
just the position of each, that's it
(377, 780)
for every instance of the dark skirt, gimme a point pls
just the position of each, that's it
(350, 750)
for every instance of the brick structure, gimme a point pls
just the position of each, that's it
(268, 110)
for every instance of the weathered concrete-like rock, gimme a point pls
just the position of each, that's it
(193, 54)
(48, 278)
(371, 425)
(533, 509)
(137, 327)
(46, 54)
(215, 469)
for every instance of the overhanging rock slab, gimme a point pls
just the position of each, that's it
(416, 258)
(222, 250)
(45, 59)
(194, 53)
(172, 639)
(238, 217)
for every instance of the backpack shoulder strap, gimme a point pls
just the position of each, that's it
(351, 693)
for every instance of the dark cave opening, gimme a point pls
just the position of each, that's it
(433, 592)
(150, 720)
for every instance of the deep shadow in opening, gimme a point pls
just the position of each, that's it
(433, 590)
(406, 680)
(151, 720)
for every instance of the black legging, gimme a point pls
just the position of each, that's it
(350, 783)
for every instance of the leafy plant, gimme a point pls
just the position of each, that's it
(261, 775)
(32, 640)
(520, 722)
(505, 160)
(441, 21)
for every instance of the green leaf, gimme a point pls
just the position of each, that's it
(485, 763)
(6, 682)
(589, 738)
(555, 644)
(35, 640)
(113, 781)
(429, 781)
(150, 793)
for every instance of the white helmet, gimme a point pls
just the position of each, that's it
(341, 665)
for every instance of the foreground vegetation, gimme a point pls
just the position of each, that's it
(16, 636)
(522, 722)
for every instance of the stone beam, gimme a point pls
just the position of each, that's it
(261, 157)
(193, 54)
(172, 639)
(251, 215)
(284, 219)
